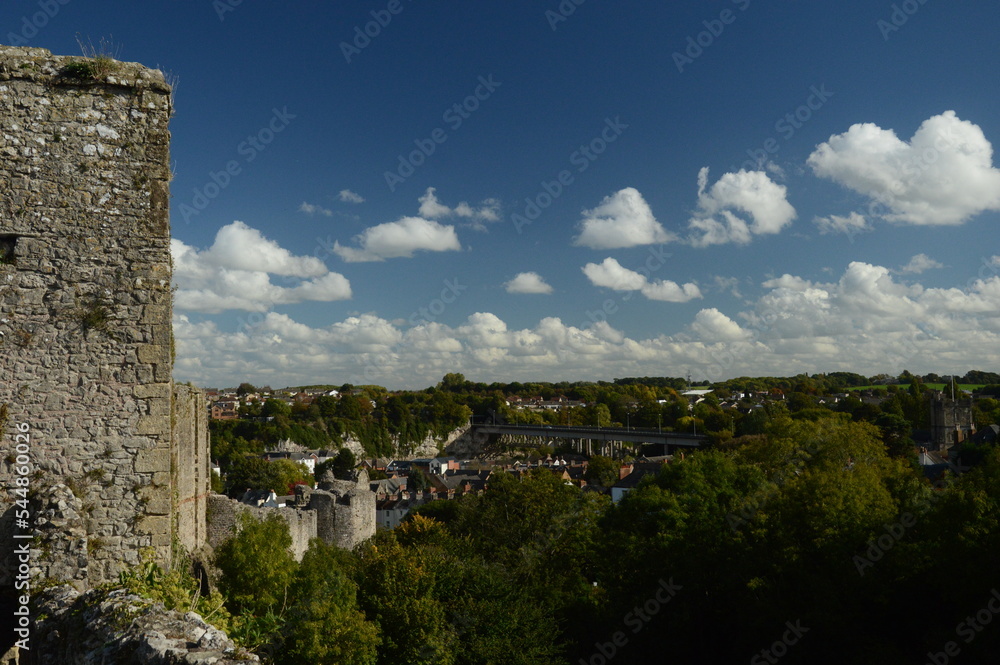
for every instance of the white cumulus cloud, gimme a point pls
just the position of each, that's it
(400, 239)
(347, 196)
(943, 175)
(723, 210)
(235, 273)
(310, 209)
(528, 282)
(240, 247)
(432, 208)
(612, 275)
(919, 264)
(864, 321)
(714, 326)
(851, 225)
(623, 219)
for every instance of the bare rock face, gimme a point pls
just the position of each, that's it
(102, 626)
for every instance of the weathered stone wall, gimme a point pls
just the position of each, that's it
(345, 514)
(224, 515)
(192, 466)
(85, 301)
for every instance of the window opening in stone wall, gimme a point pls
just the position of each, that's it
(8, 250)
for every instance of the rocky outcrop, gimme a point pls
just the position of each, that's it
(102, 626)
(429, 447)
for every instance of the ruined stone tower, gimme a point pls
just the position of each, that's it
(119, 455)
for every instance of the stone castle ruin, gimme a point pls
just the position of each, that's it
(119, 458)
(119, 452)
(340, 512)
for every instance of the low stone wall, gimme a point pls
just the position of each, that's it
(342, 513)
(224, 514)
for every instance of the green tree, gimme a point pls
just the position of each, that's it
(251, 472)
(597, 415)
(325, 625)
(288, 474)
(896, 432)
(397, 592)
(417, 481)
(602, 471)
(275, 407)
(257, 566)
(453, 382)
(342, 465)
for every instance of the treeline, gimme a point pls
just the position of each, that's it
(807, 541)
(393, 423)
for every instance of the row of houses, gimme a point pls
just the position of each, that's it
(225, 404)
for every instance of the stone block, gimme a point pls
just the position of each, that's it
(153, 353)
(159, 407)
(153, 426)
(156, 314)
(154, 524)
(159, 505)
(153, 461)
(148, 390)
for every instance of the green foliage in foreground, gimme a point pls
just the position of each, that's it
(177, 590)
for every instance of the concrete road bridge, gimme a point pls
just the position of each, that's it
(587, 440)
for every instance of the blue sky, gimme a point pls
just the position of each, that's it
(722, 188)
